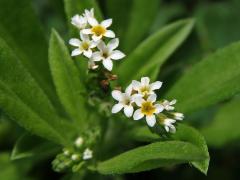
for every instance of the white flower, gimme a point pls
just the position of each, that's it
(79, 21)
(147, 108)
(168, 125)
(168, 105)
(124, 101)
(178, 116)
(99, 30)
(144, 88)
(87, 154)
(107, 53)
(78, 142)
(84, 45)
(88, 14)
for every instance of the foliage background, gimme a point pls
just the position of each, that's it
(217, 25)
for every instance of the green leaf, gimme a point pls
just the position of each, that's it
(66, 78)
(23, 100)
(185, 134)
(191, 135)
(208, 82)
(24, 35)
(29, 146)
(224, 128)
(148, 57)
(151, 156)
(113, 10)
(214, 21)
(12, 171)
(139, 24)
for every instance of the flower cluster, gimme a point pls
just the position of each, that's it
(142, 97)
(92, 40)
(73, 158)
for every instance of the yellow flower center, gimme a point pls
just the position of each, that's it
(144, 90)
(99, 30)
(147, 108)
(85, 45)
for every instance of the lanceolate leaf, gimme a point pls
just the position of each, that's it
(22, 99)
(26, 117)
(24, 35)
(148, 57)
(210, 81)
(70, 89)
(189, 134)
(151, 156)
(225, 127)
(114, 9)
(29, 146)
(184, 133)
(138, 23)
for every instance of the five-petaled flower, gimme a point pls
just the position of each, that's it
(147, 108)
(99, 30)
(87, 154)
(85, 45)
(107, 53)
(144, 87)
(125, 101)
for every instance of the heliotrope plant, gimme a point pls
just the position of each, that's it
(139, 100)
(76, 106)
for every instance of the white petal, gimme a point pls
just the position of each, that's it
(96, 38)
(145, 81)
(75, 42)
(166, 128)
(128, 111)
(117, 107)
(109, 34)
(101, 46)
(92, 21)
(138, 100)
(97, 56)
(76, 52)
(86, 31)
(93, 44)
(172, 129)
(88, 53)
(113, 44)
(169, 121)
(128, 90)
(84, 37)
(174, 101)
(136, 85)
(138, 114)
(108, 64)
(92, 65)
(117, 95)
(106, 23)
(151, 120)
(159, 108)
(156, 85)
(117, 55)
(152, 98)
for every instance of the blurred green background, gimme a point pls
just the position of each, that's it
(217, 25)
